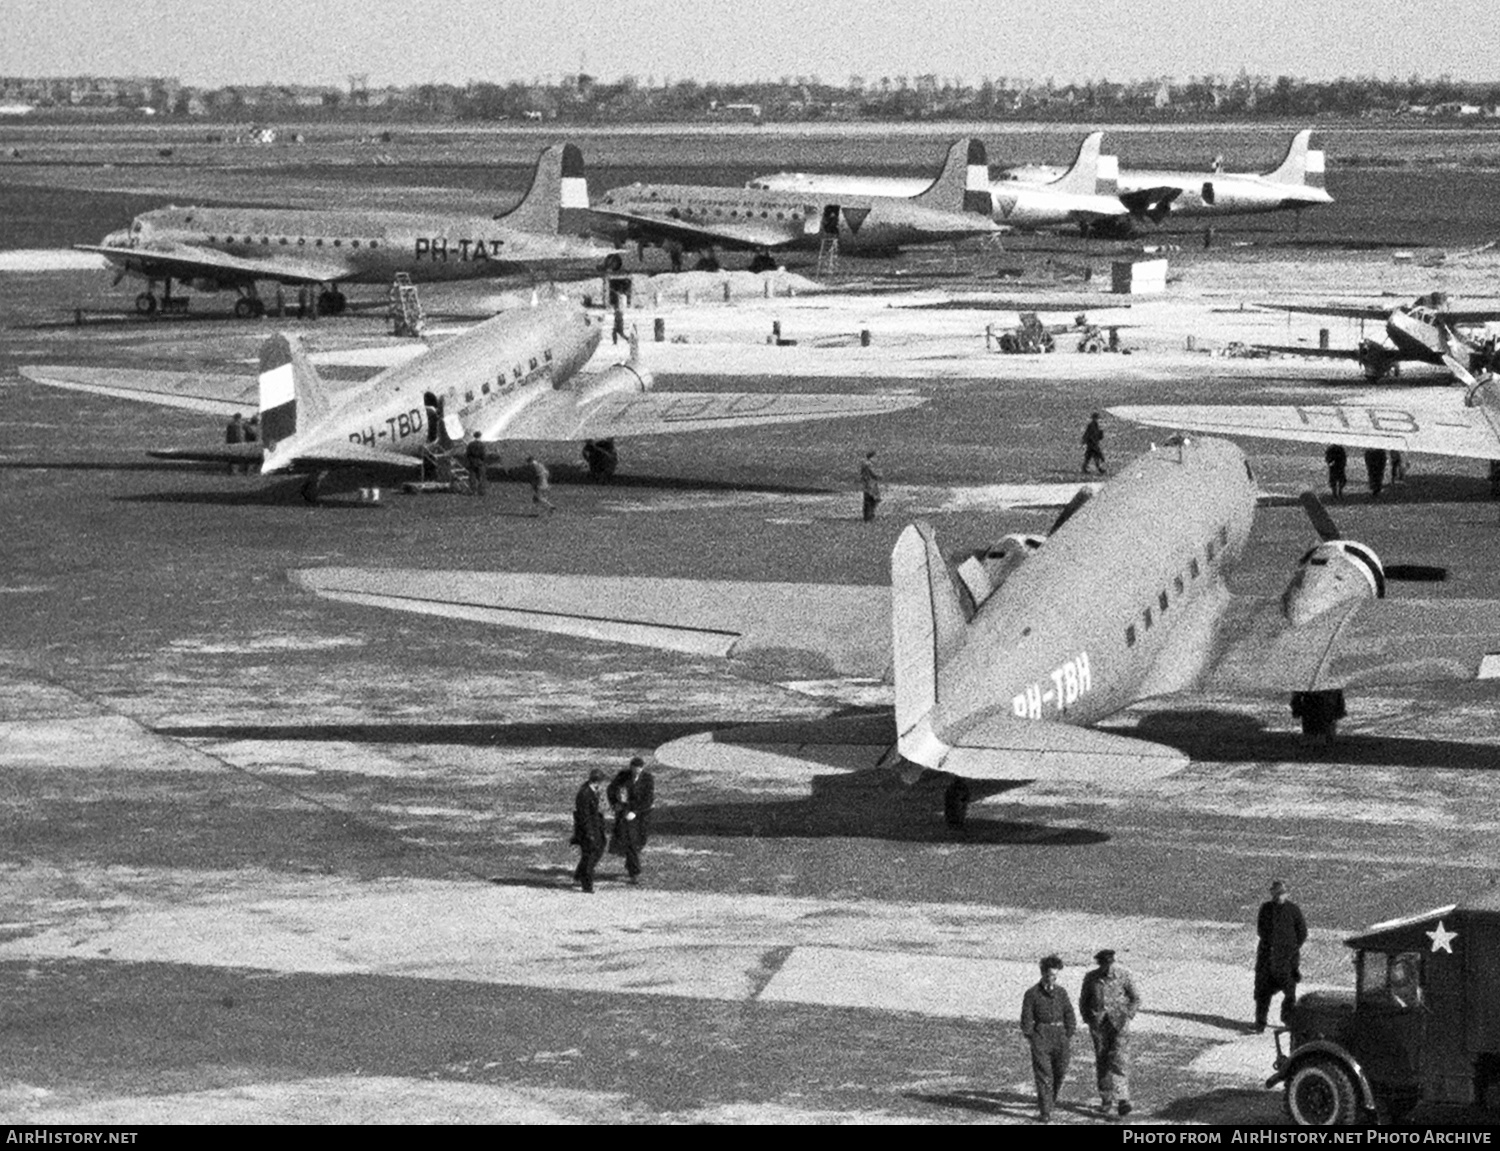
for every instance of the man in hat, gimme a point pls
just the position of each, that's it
(632, 794)
(1278, 956)
(1093, 445)
(1109, 1001)
(1048, 1023)
(590, 832)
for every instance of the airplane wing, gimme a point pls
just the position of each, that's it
(561, 415)
(1440, 429)
(1448, 316)
(843, 630)
(1370, 643)
(1342, 311)
(1314, 353)
(746, 234)
(187, 261)
(215, 392)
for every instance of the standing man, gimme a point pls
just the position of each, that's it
(235, 434)
(869, 482)
(590, 832)
(1281, 931)
(1337, 460)
(632, 794)
(1109, 1002)
(477, 459)
(1375, 470)
(1093, 441)
(541, 484)
(1048, 1023)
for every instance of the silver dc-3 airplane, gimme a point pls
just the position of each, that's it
(1424, 331)
(237, 248)
(1001, 664)
(1083, 194)
(514, 377)
(689, 217)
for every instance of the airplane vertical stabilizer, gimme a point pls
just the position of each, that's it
(292, 394)
(1300, 165)
(927, 628)
(964, 182)
(557, 197)
(1090, 175)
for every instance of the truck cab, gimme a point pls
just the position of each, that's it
(1422, 1024)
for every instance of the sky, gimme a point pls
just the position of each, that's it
(406, 42)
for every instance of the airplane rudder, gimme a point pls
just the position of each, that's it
(1301, 164)
(540, 209)
(277, 389)
(1083, 174)
(573, 192)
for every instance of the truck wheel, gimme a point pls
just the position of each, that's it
(1321, 1093)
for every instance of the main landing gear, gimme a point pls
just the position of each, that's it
(763, 262)
(956, 803)
(313, 488)
(1320, 712)
(332, 303)
(147, 304)
(602, 459)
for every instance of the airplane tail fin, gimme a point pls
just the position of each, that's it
(1301, 165)
(927, 627)
(558, 196)
(1091, 173)
(292, 394)
(964, 182)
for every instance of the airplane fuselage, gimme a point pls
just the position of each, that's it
(861, 223)
(1096, 619)
(1223, 193)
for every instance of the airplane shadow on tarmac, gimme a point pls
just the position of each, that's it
(1230, 737)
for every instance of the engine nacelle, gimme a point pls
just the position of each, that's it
(622, 379)
(1333, 573)
(985, 570)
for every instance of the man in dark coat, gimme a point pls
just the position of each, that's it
(477, 459)
(1048, 1023)
(234, 433)
(869, 484)
(1337, 460)
(1108, 1000)
(1375, 459)
(590, 832)
(1282, 932)
(1093, 445)
(632, 795)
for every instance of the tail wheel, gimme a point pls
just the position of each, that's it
(1321, 1093)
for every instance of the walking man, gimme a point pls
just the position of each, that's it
(1281, 932)
(541, 484)
(632, 794)
(1375, 469)
(1048, 1023)
(477, 459)
(590, 832)
(1093, 445)
(1109, 1001)
(1337, 460)
(869, 482)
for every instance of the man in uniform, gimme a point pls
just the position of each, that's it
(632, 794)
(869, 482)
(1109, 1001)
(1281, 931)
(590, 832)
(477, 459)
(1093, 441)
(1048, 1023)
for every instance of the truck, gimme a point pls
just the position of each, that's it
(1422, 1024)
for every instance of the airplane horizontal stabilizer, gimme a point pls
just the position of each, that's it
(795, 750)
(842, 629)
(220, 394)
(565, 416)
(1006, 747)
(347, 455)
(722, 233)
(212, 454)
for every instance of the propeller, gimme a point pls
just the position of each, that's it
(1081, 497)
(120, 275)
(1328, 530)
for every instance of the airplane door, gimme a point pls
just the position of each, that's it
(830, 225)
(1208, 191)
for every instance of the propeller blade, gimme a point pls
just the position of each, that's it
(1416, 573)
(120, 275)
(1082, 497)
(1322, 522)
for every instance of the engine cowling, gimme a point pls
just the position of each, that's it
(622, 379)
(985, 570)
(1333, 573)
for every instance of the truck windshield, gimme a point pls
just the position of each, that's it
(1390, 980)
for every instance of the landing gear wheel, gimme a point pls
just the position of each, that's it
(763, 262)
(613, 263)
(1321, 1093)
(602, 459)
(340, 302)
(145, 304)
(244, 308)
(1320, 712)
(956, 804)
(313, 488)
(706, 264)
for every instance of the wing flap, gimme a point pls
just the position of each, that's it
(560, 415)
(218, 393)
(844, 629)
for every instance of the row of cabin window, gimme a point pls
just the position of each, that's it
(284, 241)
(500, 379)
(733, 212)
(1179, 585)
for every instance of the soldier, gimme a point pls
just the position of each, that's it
(1093, 440)
(633, 794)
(1337, 460)
(869, 482)
(477, 458)
(1281, 931)
(1109, 1001)
(590, 833)
(1048, 1023)
(541, 483)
